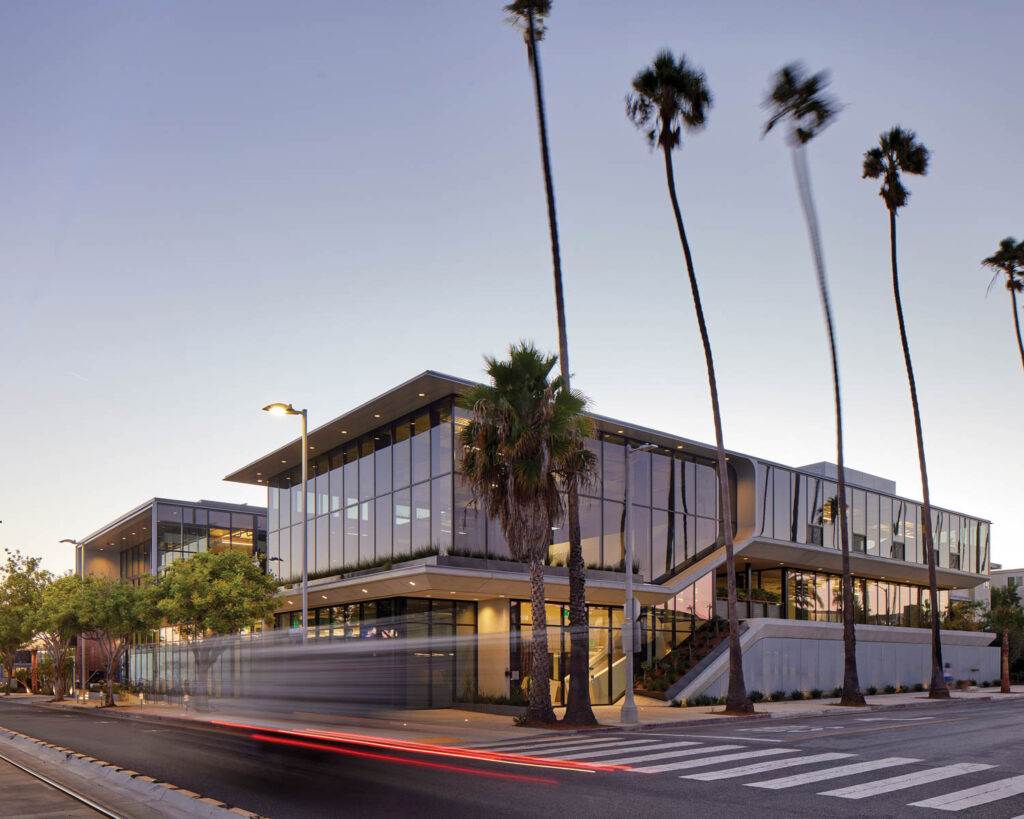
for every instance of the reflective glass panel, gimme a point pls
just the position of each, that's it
(420, 516)
(403, 522)
(441, 513)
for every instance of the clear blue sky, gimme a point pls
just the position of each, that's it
(205, 207)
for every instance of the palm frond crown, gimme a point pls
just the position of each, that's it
(799, 99)
(1009, 259)
(898, 151)
(526, 437)
(519, 16)
(668, 96)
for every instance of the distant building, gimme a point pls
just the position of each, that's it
(146, 541)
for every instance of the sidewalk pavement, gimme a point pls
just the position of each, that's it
(456, 726)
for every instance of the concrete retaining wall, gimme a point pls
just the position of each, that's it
(783, 655)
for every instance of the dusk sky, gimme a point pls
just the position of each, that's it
(206, 207)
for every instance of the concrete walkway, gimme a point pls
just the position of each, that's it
(455, 726)
(25, 796)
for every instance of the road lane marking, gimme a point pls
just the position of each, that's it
(762, 767)
(893, 719)
(720, 737)
(715, 760)
(648, 747)
(980, 795)
(907, 780)
(874, 728)
(832, 773)
(704, 749)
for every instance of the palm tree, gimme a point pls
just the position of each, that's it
(799, 100)
(667, 97)
(530, 17)
(1003, 616)
(898, 151)
(524, 441)
(1009, 259)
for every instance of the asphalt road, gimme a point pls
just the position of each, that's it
(950, 757)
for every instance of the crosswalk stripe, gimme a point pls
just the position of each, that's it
(628, 760)
(831, 773)
(907, 780)
(761, 767)
(544, 748)
(645, 747)
(980, 795)
(715, 760)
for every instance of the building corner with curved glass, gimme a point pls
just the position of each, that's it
(393, 536)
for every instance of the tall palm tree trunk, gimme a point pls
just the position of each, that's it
(577, 710)
(937, 689)
(736, 699)
(851, 681)
(540, 709)
(1016, 319)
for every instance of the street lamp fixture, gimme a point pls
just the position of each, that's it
(279, 408)
(629, 715)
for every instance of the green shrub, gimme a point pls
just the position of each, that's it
(700, 701)
(890, 689)
(796, 694)
(756, 696)
(720, 701)
(919, 686)
(675, 704)
(837, 691)
(778, 696)
(872, 690)
(816, 693)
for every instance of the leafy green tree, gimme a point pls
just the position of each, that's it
(1009, 259)
(667, 97)
(212, 594)
(57, 621)
(898, 152)
(1005, 618)
(19, 597)
(112, 611)
(530, 16)
(799, 100)
(525, 439)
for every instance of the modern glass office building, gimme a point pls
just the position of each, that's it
(391, 523)
(148, 539)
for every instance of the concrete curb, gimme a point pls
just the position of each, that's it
(825, 710)
(145, 788)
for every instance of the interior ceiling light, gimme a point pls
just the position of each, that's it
(376, 415)
(423, 395)
(364, 591)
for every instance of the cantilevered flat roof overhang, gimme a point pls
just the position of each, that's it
(406, 398)
(426, 578)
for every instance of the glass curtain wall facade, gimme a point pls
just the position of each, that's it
(385, 495)
(803, 508)
(396, 492)
(814, 595)
(675, 512)
(183, 531)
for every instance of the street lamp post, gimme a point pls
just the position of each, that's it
(288, 409)
(629, 714)
(80, 567)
